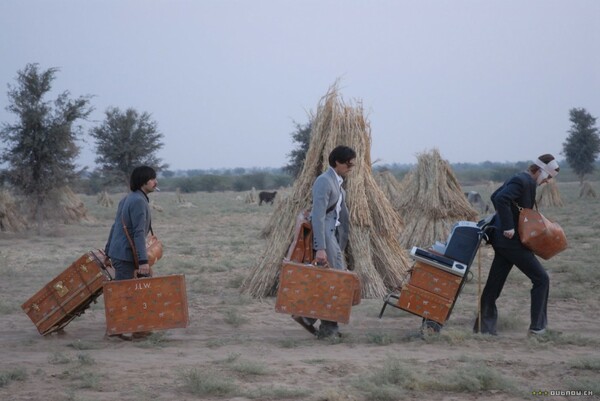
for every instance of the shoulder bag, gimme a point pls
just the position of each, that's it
(542, 236)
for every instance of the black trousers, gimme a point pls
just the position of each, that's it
(504, 260)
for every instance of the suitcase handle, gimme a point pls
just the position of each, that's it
(137, 274)
(321, 265)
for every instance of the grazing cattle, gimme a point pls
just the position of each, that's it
(267, 197)
(475, 200)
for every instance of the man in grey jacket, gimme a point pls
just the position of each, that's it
(133, 214)
(330, 223)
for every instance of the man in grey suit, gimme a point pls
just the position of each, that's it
(330, 223)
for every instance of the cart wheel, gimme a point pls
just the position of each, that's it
(430, 327)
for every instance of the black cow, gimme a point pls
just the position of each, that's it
(267, 197)
(475, 200)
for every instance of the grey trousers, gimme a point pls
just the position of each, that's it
(336, 260)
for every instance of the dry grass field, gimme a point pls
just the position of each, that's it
(237, 348)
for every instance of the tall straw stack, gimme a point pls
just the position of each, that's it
(548, 195)
(374, 252)
(390, 186)
(432, 201)
(71, 208)
(587, 191)
(104, 199)
(251, 196)
(11, 219)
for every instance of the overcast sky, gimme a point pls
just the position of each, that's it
(225, 80)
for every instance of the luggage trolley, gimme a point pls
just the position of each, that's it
(438, 276)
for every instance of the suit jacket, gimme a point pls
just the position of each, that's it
(134, 209)
(519, 189)
(325, 193)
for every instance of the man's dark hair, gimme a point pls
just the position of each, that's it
(141, 175)
(341, 154)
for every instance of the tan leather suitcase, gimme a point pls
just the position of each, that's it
(434, 280)
(424, 303)
(146, 304)
(316, 292)
(69, 294)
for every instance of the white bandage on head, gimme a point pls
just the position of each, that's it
(551, 168)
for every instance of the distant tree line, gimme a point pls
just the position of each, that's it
(39, 149)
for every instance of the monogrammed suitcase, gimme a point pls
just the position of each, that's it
(69, 294)
(146, 304)
(424, 303)
(317, 292)
(434, 280)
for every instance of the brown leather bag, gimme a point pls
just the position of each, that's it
(540, 235)
(154, 247)
(301, 250)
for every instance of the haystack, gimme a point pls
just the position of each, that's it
(586, 190)
(180, 197)
(104, 199)
(374, 252)
(251, 196)
(390, 186)
(432, 201)
(11, 219)
(71, 208)
(548, 195)
(156, 206)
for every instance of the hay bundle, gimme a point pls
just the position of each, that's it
(71, 209)
(180, 197)
(390, 186)
(104, 199)
(156, 206)
(11, 219)
(373, 250)
(548, 195)
(587, 191)
(432, 201)
(251, 196)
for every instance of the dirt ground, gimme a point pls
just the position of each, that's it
(238, 348)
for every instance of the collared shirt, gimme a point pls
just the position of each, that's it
(338, 206)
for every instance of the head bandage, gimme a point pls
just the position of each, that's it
(550, 168)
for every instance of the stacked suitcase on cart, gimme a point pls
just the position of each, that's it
(437, 276)
(138, 305)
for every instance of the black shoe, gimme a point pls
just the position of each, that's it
(302, 321)
(141, 335)
(118, 337)
(328, 334)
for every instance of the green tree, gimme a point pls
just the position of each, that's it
(124, 141)
(297, 156)
(583, 144)
(41, 146)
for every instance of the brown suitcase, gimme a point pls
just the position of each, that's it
(69, 294)
(146, 304)
(424, 303)
(434, 280)
(316, 292)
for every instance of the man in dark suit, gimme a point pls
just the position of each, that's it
(517, 191)
(330, 223)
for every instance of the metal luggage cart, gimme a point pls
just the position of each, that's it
(438, 276)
